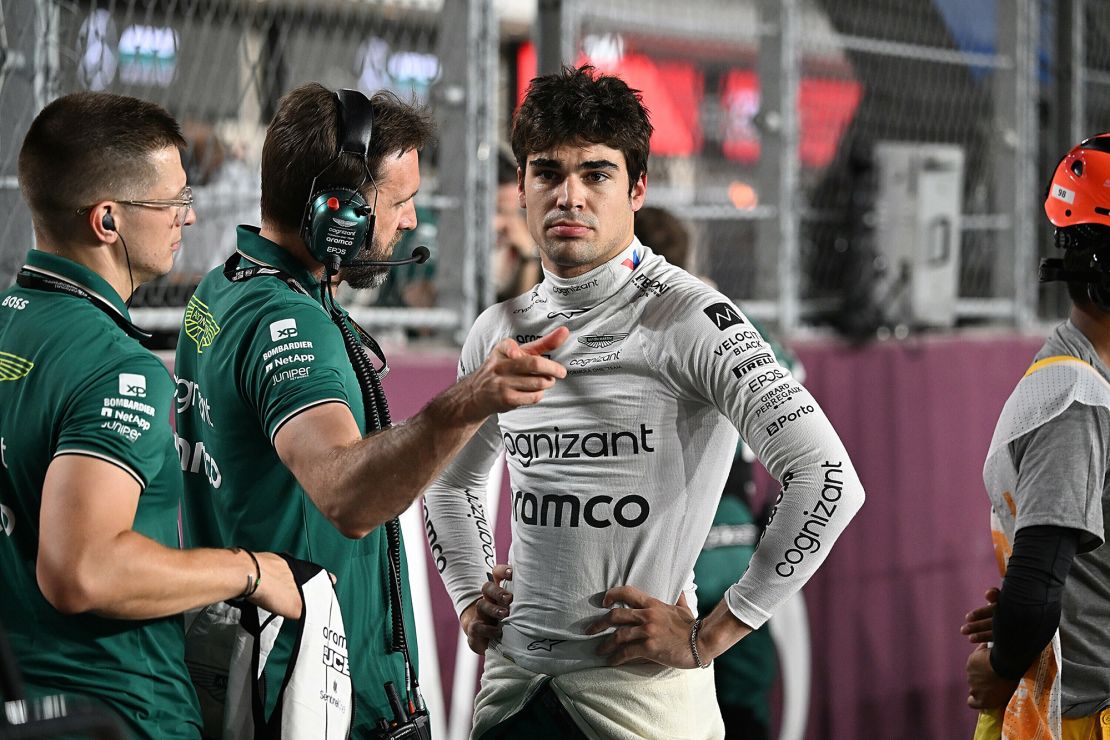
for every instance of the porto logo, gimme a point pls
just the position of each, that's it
(200, 325)
(13, 367)
(601, 341)
(723, 315)
(283, 330)
(132, 385)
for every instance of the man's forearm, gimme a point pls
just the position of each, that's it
(131, 576)
(376, 478)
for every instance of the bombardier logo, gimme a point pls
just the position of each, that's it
(601, 341)
(723, 315)
(748, 365)
(283, 329)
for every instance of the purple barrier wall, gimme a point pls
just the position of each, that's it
(886, 608)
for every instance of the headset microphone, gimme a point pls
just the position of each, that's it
(419, 256)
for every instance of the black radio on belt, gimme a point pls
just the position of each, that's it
(406, 725)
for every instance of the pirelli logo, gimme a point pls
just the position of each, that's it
(752, 363)
(14, 367)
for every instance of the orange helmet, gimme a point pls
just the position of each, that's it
(1080, 189)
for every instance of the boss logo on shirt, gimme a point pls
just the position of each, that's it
(723, 315)
(283, 330)
(132, 385)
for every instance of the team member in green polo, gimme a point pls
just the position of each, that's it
(270, 415)
(89, 478)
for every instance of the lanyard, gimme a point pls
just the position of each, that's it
(30, 278)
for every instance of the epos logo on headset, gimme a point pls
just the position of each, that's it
(283, 330)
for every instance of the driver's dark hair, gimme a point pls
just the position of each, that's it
(581, 106)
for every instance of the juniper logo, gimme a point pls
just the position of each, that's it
(601, 341)
(14, 367)
(283, 330)
(200, 325)
(132, 384)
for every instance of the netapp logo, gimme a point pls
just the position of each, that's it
(778, 424)
(723, 315)
(808, 539)
(552, 510)
(528, 447)
(745, 367)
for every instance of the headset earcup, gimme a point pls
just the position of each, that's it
(336, 225)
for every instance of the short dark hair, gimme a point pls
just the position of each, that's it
(661, 230)
(87, 147)
(580, 105)
(303, 138)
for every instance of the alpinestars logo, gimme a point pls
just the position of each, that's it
(723, 315)
(601, 341)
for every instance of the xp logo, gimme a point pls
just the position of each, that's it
(133, 385)
(283, 329)
(723, 315)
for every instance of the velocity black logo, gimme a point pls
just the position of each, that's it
(723, 315)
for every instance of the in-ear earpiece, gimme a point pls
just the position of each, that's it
(108, 222)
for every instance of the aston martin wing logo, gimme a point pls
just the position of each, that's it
(14, 367)
(345, 224)
(200, 324)
(601, 341)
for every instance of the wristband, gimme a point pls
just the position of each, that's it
(694, 644)
(253, 582)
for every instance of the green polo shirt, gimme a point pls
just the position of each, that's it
(251, 356)
(73, 383)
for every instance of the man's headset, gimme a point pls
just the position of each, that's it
(338, 222)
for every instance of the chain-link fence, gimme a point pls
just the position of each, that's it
(220, 67)
(871, 164)
(864, 163)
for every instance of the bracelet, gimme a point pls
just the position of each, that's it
(253, 582)
(694, 644)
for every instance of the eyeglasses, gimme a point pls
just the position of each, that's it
(182, 203)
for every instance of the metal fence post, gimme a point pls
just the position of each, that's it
(1015, 154)
(28, 70)
(778, 252)
(556, 35)
(465, 109)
